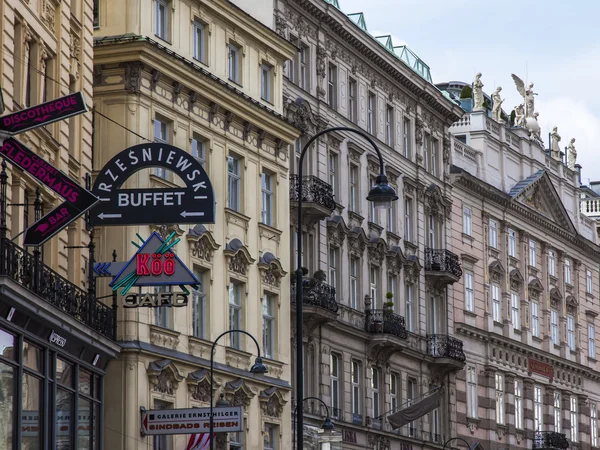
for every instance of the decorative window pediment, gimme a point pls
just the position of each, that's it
(239, 257)
(199, 385)
(535, 288)
(238, 393)
(201, 242)
(572, 304)
(373, 163)
(497, 270)
(395, 260)
(336, 231)
(357, 241)
(412, 269)
(434, 202)
(301, 115)
(272, 269)
(164, 376)
(516, 279)
(272, 402)
(377, 249)
(555, 295)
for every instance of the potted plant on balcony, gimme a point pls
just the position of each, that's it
(388, 306)
(320, 275)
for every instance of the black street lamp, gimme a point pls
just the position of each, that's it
(257, 368)
(381, 194)
(327, 425)
(474, 446)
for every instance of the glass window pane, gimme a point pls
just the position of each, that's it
(85, 382)
(32, 357)
(64, 409)
(96, 387)
(83, 425)
(95, 428)
(6, 401)
(64, 372)
(31, 424)
(7, 345)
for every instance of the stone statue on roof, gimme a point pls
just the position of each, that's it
(555, 144)
(497, 107)
(571, 155)
(478, 93)
(527, 94)
(519, 116)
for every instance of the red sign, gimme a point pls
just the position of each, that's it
(144, 267)
(541, 368)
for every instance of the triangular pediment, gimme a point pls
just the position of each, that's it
(538, 193)
(536, 285)
(497, 267)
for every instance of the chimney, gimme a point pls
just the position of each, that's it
(578, 170)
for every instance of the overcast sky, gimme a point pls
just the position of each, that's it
(555, 44)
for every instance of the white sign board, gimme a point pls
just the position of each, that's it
(194, 420)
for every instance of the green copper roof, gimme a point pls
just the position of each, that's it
(413, 61)
(334, 3)
(359, 19)
(386, 41)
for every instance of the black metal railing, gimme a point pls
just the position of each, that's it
(317, 293)
(385, 321)
(442, 261)
(314, 190)
(444, 346)
(34, 275)
(549, 440)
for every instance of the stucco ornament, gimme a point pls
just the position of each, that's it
(555, 144)
(497, 108)
(478, 93)
(572, 155)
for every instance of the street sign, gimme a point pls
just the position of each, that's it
(77, 199)
(192, 203)
(190, 421)
(43, 114)
(156, 300)
(108, 269)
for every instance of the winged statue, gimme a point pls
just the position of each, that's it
(527, 94)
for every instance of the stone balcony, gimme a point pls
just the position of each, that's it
(591, 207)
(317, 199)
(442, 267)
(318, 300)
(447, 351)
(387, 329)
(549, 440)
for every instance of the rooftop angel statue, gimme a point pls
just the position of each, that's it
(527, 94)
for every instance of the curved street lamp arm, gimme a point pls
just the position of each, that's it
(235, 331)
(456, 439)
(317, 399)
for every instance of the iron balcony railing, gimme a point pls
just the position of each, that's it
(34, 275)
(317, 293)
(314, 190)
(442, 261)
(385, 321)
(549, 440)
(444, 346)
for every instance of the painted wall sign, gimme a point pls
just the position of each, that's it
(194, 203)
(174, 299)
(57, 339)
(43, 114)
(31, 425)
(77, 199)
(194, 420)
(541, 368)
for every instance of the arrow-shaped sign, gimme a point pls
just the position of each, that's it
(108, 269)
(108, 216)
(77, 199)
(192, 214)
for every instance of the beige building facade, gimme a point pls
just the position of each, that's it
(527, 304)
(207, 78)
(377, 285)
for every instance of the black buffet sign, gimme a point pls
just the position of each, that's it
(193, 203)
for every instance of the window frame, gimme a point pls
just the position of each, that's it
(352, 91)
(469, 292)
(333, 260)
(199, 301)
(589, 278)
(594, 425)
(389, 125)
(406, 136)
(375, 391)
(532, 253)
(408, 307)
(574, 416)
(332, 74)
(554, 331)
(535, 319)
(233, 63)
(515, 303)
(518, 404)
(354, 276)
(571, 344)
(199, 41)
(198, 148)
(512, 243)
(371, 113)
(538, 408)
(496, 303)
(472, 401)
(161, 27)
(356, 387)
(334, 383)
(493, 234)
(591, 341)
(354, 188)
(234, 183)
(551, 263)
(235, 310)
(267, 215)
(557, 411)
(269, 302)
(467, 221)
(408, 221)
(266, 82)
(499, 383)
(568, 272)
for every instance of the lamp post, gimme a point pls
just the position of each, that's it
(472, 446)
(381, 193)
(327, 423)
(257, 368)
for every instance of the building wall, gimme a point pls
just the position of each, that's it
(164, 362)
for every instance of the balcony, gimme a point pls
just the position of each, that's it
(388, 331)
(22, 267)
(318, 299)
(442, 267)
(591, 207)
(447, 351)
(549, 440)
(317, 199)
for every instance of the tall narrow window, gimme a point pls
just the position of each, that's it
(389, 125)
(571, 332)
(589, 281)
(162, 313)
(574, 420)
(235, 313)
(554, 326)
(48, 79)
(568, 271)
(161, 134)
(493, 234)
(432, 241)
(353, 195)
(518, 404)
(374, 283)
(372, 210)
(467, 221)
(96, 14)
(199, 307)
(302, 71)
(267, 198)
(352, 99)
(199, 149)
(371, 113)
(410, 397)
(557, 412)
(535, 319)
(472, 392)
(408, 219)
(391, 217)
(332, 86)
(538, 409)
(233, 63)
(375, 392)
(162, 19)
(266, 81)
(334, 377)
(469, 294)
(234, 183)
(515, 315)
(591, 341)
(271, 435)
(268, 310)
(408, 299)
(333, 266)
(406, 138)
(393, 392)
(434, 157)
(354, 268)
(551, 263)
(426, 151)
(29, 74)
(532, 253)
(333, 169)
(499, 378)
(496, 305)
(199, 37)
(512, 243)
(594, 424)
(356, 388)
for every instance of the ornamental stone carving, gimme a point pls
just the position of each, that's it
(281, 26)
(199, 385)
(272, 402)
(133, 76)
(237, 393)
(434, 202)
(202, 243)
(164, 376)
(336, 231)
(419, 131)
(239, 257)
(395, 260)
(357, 241)
(272, 269)
(377, 249)
(300, 114)
(412, 268)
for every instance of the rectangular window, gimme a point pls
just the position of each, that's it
(589, 281)
(271, 435)
(29, 75)
(394, 389)
(234, 183)
(160, 442)
(374, 291)
(235, 313)
(375, 392)
(554, 326)
(267, 198)
(302, 70)
(472, 392)
(518, 404)
(333, 168)
(469, 294)
(406, 138)
(334, 376)
(389, 125)
(410, 326)
(268, 311)
(372, 209)
(408, 219)
(48, 79)
(574, 420)
(551, 263)
(432, 231)
(557, 412)
(391, 217)
(594, 424)
(532, 253)
(568, 271)
(199, 37)
(356, 388)
(333, 266)
(499, 378)
(266, 80)
(496, 305)
(332, 86)
(354, 268)
(96, 14)
(571, 332)
(512, 243)
(162, 19)
(538, 408)
(371, 113)
(162, 313)
(199, 149)
(535, 319)
(591, 341)
(352, 99)
(426, 150)
(410, 397)
(493, 234)
(233, 63)
(515, 316)
(161, 134)
(467, 221)
(199, 306)
(434, 157)
(353, 195)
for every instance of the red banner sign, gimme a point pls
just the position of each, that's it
(541, 368)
